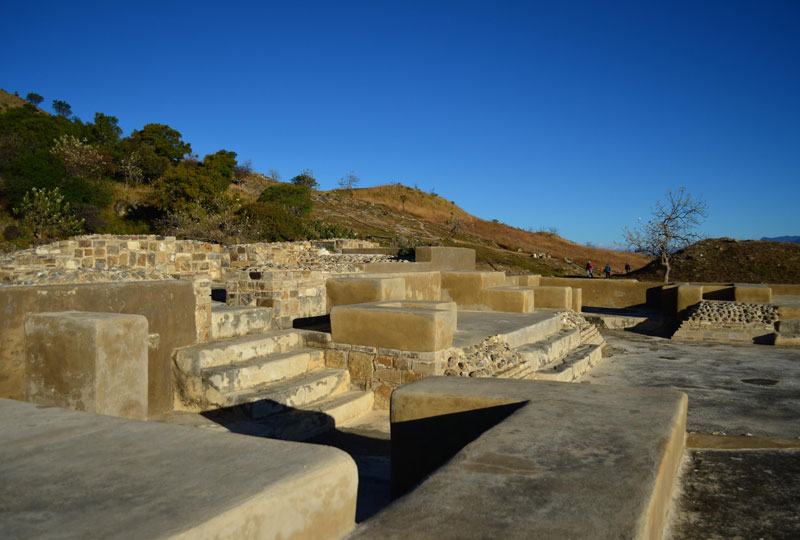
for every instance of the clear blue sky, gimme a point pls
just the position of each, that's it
(568, 114)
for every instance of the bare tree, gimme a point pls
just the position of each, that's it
(274, 174)
(349, 181)
(672, 227)
(403, 199)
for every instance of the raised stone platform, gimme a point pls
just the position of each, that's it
(70, 474)
(564, 461)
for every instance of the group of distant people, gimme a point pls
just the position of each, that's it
(606, 270)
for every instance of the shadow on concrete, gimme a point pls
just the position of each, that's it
(371, 450)
(421, 446)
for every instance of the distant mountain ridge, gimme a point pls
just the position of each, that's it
(795, 239)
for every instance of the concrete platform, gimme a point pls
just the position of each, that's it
(472, 327)
(564, 461)
(733, 389)
(66, 474)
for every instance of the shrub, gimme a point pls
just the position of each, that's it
(271, 222)
(305, 178)
(294, 198)
(48, 217)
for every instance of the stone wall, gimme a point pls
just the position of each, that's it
(291, 294)
(290, 278)
(728, 322)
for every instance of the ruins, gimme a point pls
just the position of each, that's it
(291, 340)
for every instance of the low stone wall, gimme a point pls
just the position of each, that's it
(159, 254)
(727, 322)
(611, 293)
(291, 294)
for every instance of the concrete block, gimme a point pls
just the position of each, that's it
(404, 325)
(343, 291)
(745, 292)
(789, 326)
(553, 297)
(69, 474)
(446, 258)
(509, 299)
(531, 280)
(94, 362)
(419, 285)
(687, 296)
(464, 288)
(577, 299)
(531, 459)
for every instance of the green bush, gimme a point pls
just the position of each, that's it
(270, 222)
(45, 213)
(295, 199)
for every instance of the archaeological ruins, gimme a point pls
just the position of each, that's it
(110, 343)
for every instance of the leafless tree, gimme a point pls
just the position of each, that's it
(672, 227)
(274, 174)
(349, 181)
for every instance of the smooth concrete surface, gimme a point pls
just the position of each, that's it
(509, 298)
(573, 461)
(95, 362)
(514, 328)
(169, 307)
(465, 288)
(343, 291)
(687, 296)
(733, 389)
(529, 280)
(408, 325)
(446, 258)
(611, 293)
(69, 474)
(788, 306)
(553, 297)
(748, 292)
(419, 285)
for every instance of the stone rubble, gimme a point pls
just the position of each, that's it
(709, 312)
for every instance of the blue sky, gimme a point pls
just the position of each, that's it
(574, 115)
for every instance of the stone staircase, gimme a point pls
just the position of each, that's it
(264, 382)
(557, 354)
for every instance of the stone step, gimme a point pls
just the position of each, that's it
(293, 393)
(552, 348)
(591, 335)
(262, 370)
(574, 365)
(233, 321)
(194, 358)
(313, 419)
(532, 333)
(520, 371)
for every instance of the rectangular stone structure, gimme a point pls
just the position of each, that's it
(531, 459)
(95, 362)
(747, 292)
(70, 474)
(446, 258)
(405, 325)
(343, 291)
(466, 288)
(553, 297)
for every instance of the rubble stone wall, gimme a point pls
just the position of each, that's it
(727, 322)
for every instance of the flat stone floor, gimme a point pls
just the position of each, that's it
(732, 389)
(472, 327)
(751, 390)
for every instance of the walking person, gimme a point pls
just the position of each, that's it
(627, 268)
(589, 269)
(607, 270)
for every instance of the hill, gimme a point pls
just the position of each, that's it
(729, 260)
(9, 101)
(398, 214)
(795, 239)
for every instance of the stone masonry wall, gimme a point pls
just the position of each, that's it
(109, 258)
(728, 322)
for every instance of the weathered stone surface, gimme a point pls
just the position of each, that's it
(153, 480)
(605, 469)
(95, 362)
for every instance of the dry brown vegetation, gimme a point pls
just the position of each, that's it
(378, 212)
(731, 261)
